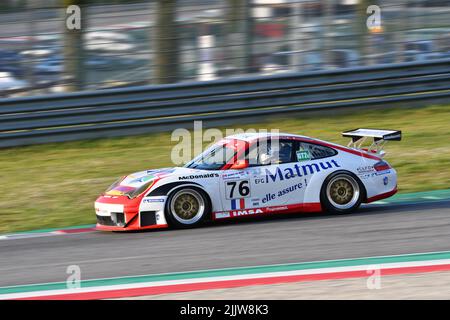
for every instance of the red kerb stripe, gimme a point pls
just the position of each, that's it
(120, 293)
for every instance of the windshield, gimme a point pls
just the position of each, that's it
(215, 157)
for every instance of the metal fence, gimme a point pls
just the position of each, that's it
(137, 110)
(290, 36)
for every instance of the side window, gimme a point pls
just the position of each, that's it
(309, 151)
(271, 152)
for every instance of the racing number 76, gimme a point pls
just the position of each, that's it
(242, 189)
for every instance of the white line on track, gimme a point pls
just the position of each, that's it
(225, 278)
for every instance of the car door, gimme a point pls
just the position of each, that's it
(274, 178)
(243, 190)
(314, 163)
(285, 183)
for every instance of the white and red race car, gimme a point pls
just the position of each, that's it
(253, 174)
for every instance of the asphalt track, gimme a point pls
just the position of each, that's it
(373, 231)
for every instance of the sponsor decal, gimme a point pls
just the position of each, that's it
(298, 171)
(373, 174)
(150, 200)
(367, 175)
(277, 208)
(395, 136)
(271, 196)
(259, 180)
(143, 179)
(234, 175)
(199, 176)
(237, 213)
(268, 197)
(385, 181)
(365, 169)
(247, 212)
(255, 202)
(237, 204)
(380, 173)
(303, 155)
(221, 215)
(290, 189)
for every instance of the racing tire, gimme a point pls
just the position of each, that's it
(187, 207)
(342, 192)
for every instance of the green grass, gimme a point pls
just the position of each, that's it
(55, 185)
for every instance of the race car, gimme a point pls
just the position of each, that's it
(253, 174)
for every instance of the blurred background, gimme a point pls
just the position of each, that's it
(125, 43)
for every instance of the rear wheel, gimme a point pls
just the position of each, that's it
(187, 207)
(342, 192)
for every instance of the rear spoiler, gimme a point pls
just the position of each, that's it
(380, 137)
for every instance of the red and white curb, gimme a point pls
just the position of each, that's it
(232, 281)
(47, 233)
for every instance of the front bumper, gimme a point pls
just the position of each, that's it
(101, 227)
(119, 213)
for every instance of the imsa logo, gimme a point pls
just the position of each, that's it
(237, 213)
(245, 212)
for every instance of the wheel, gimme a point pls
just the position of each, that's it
(342, 192)
(187, 207)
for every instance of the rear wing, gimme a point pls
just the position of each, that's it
(380, 137)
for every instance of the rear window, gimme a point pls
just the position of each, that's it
(314, 151)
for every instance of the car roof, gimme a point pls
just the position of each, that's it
(251, 136)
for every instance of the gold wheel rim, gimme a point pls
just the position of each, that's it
(341, 191)
(186, 206)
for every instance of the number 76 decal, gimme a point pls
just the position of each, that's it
(237, 189)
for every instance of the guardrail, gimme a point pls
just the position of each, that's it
(136, 110)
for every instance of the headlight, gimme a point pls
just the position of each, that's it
(115, 184)
(134, 193)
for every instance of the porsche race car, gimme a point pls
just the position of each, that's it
(253, 174)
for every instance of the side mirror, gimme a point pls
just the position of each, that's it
(239, 164)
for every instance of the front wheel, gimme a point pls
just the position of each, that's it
(341, 192)
(187, 207)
